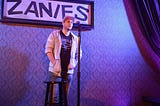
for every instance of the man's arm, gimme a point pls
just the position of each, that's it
(49, 48)
(51, 57)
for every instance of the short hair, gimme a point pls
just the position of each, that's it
(68, 17)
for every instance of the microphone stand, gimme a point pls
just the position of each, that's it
(78, 72)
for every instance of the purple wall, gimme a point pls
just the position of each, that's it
(113, 72)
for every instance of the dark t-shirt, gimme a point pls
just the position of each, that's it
(66, 42)
(65, 51)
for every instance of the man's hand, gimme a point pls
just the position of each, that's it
(71, 66)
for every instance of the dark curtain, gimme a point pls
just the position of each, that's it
(149, 15)
(144, 19)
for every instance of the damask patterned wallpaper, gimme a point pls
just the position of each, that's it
(113, 72)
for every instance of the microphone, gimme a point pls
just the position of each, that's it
(78, 23)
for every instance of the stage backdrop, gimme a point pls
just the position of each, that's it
(113, 72)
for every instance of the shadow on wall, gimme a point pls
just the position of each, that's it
(13, 66)
(91, 102)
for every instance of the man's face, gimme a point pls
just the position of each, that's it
(68, 24)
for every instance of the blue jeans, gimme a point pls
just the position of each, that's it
(52, 77)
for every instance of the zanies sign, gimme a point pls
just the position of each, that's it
(48, 12)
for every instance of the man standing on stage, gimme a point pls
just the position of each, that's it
(62, 51)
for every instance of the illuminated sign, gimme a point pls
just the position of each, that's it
(47, 12)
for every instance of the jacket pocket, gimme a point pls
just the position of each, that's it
(55, 67)
(72, 64)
